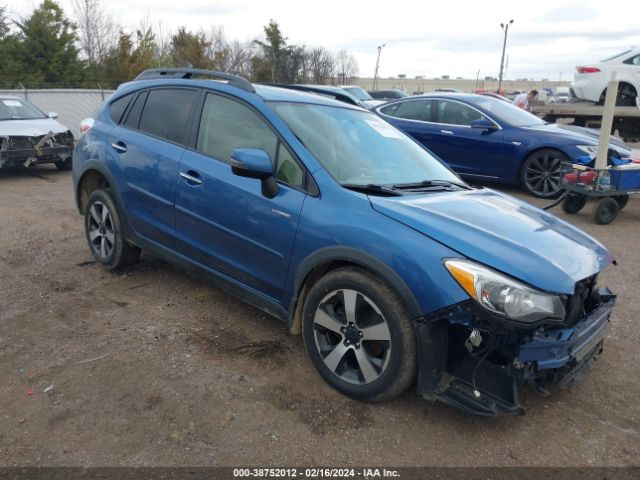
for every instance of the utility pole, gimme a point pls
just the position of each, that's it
(375, 75)
(505, 29)
(477, 77)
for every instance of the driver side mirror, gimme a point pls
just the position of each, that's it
(484, 124)
(52, 115)
(255, 163)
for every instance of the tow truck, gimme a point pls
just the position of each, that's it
(626, 120)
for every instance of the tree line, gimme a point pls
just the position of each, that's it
(49, 49)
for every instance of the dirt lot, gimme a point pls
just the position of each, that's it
(155, 367)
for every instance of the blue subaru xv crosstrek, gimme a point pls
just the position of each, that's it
(322, 214)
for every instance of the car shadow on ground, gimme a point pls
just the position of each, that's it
(47, 172)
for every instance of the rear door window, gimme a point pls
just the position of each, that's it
(633, 60)
(118, 107)
(411, 110)
(166, 113)
(133, 116)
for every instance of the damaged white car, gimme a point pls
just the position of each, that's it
(30, 137)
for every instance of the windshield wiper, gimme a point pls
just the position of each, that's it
(431, 185)
(372, 188)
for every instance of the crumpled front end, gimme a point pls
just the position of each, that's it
(25, 151)
(476, 361)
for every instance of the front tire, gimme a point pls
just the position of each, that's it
(104, 232)
(541, 173)
(359, 336)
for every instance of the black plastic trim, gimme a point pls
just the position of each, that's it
(187, 73)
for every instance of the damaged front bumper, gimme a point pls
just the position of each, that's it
(477, 363)
(20, 151)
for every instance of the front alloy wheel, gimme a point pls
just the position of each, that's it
(542, 172)
(359, 335)
(104, 232)
(352, 336)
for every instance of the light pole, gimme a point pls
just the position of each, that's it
(375, 75)
(477, 77)
(505, 29)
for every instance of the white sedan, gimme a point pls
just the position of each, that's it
(29, 137)
(590, 81)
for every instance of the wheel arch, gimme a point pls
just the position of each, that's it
(94, 176)
(621, 82)
(325, 260)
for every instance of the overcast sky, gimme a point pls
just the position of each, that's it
(547, 39)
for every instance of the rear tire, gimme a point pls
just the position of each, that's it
(541, 173)
(359, 335)
(105, 234)
(626, 96)
(605, 211)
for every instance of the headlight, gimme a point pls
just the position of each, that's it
(504, 295)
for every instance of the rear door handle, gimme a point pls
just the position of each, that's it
(448, 132)
(191, 177)
(119, 147)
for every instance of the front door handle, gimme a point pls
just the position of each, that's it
(119, 147)
(191, 177)
(448, 132)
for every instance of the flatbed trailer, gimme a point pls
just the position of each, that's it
(626, 120)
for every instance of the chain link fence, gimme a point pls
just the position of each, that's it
(71, 105)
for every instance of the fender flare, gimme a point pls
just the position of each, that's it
(104, 171)
(358, 257)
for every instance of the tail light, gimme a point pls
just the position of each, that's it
(85, 125)
(587, 69)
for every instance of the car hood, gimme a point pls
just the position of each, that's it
(30, 128)
(502, 232)
(576, 135)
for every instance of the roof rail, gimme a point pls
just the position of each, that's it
(335, 93)
(229, 78)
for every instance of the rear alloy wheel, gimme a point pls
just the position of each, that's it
(103, 229)
(542, 172)
(358, 335)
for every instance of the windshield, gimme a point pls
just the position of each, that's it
(359, 93)
(506, 112)
(16, 109)
(359, 148)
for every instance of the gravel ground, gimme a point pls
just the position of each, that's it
(155, 367)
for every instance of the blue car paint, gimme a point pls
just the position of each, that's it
(559, 256)
(404, 239)
(231, 239)
(491, 154)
